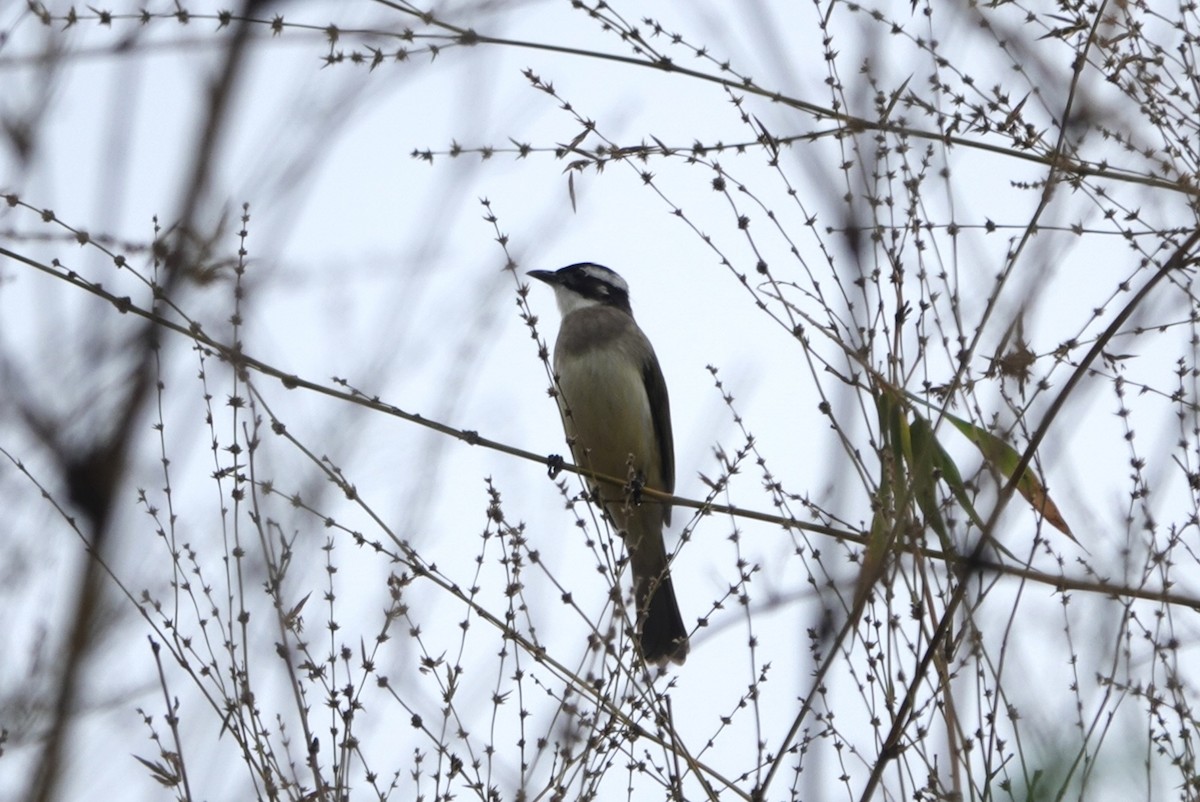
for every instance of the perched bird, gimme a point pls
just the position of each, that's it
(617, 418)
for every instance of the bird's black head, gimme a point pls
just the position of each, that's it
(586, 284)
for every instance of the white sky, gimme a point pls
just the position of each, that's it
(369, 265)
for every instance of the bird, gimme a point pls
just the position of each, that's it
(616, 415)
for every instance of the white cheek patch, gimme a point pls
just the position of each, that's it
(569, 301)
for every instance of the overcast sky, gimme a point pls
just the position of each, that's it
(368, 265)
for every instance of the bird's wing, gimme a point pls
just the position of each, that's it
(660, 412)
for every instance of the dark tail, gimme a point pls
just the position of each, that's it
(663, 635)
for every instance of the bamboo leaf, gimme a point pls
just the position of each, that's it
(874, 558)
(162, 774)
(1005, 459)
(891, 494)
(924, 449)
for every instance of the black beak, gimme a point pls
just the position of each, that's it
(548, 276)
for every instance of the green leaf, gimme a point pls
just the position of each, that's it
(925, 450)
(874, 558)
(1005, 459)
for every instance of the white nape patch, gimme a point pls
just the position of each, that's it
(569, 300)
(605, 275)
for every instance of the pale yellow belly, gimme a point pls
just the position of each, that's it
(607, 415)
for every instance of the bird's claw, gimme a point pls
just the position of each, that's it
(634, 489)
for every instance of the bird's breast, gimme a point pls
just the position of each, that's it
(606, 411)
